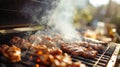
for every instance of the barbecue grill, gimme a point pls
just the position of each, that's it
(105, 58)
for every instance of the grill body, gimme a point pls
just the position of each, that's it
(11, 16)
(105, 58)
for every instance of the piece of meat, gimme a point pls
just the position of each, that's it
(55, 51)
(78, 50)
(92, 45)
(34, 39)
(90, 40)
(42, 40)
(13, 53)
(20, 42)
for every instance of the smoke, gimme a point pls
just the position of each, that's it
(62, 19)
(58, 14)
(38, 11)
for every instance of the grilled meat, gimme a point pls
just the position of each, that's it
(90, 40)
(92, 45)
(43, 40)
(55, 58)
(20, 42)
(42, 56)
(77, 50)
(13, 53)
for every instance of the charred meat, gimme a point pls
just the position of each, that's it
(77, 50)
(13, 53)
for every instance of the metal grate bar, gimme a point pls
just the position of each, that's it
(113, 58)
(100, 57)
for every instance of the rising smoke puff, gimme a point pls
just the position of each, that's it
(62, 19)
(55, 13)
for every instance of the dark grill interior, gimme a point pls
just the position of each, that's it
(101, 60)
(21, 12)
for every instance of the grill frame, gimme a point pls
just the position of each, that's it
(113, 59)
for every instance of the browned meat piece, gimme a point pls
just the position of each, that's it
(56, 51)
(90, 40)
(20, 42)
(89, 52)
(78, 50)
(12, 53)
(48, 41)
(96, 46)
(65, 61)
(103, 43)
(42, 40)
(3, 48)
(92, 45)
(39, 49)
(15, 40)
(35, 39)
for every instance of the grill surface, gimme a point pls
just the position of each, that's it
(102, 59)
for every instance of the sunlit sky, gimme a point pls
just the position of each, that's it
(97, 3)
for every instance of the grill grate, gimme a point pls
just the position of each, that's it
(101, 60)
